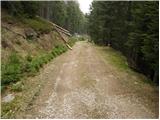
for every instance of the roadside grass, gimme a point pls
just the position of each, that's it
(119, 61)
(14, 79)
(116, 58)
(17, 87)
(17, 67)
(12, 70)
(8, 109)
(73, 40)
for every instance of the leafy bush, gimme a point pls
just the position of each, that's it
(59, 49)
(33, 64)
(11, 72)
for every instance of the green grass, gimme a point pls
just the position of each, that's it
(38, 24)
(72, 41)
(119, 61)
(116, 58)
(9, 19)
(17, 87)
(8, 109)
(12, 70)
(16, 68)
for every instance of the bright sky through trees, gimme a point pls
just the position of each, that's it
(85, 5)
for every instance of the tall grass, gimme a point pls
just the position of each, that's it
(17, 67)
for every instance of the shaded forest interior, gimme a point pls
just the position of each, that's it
(131, 27)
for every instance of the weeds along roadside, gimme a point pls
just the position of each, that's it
(17, 67)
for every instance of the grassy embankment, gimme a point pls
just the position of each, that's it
(17, 69)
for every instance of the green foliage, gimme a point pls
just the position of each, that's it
(132, 28)
(72, 41)
(8, 109)
(11, 72)
(18, 86)
(59, 49)
(33, 64)
(64, 13)
(17, 67)
(38, 24)
(19, 8)
(116, 58)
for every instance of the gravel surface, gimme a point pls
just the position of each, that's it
(82, 84)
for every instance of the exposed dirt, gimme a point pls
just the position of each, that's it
(82, 84)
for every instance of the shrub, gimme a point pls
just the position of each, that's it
(72, 41)
(17, 86)
(59, 49)
(16, 67)
(29, 58)
(11, 72)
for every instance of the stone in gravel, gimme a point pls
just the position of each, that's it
(8, 98)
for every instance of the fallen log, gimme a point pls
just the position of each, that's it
(63, 39)
(67, 33)
(61, 28)
(59, 31)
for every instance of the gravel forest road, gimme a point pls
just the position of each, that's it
(82, 84)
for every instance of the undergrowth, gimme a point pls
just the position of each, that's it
(72, 41)
(120, 62)
(17, 67)
(116, 58)
(38, 24)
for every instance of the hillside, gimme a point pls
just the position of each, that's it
(28, 36)
(27, 44)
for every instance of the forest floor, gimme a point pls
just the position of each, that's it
(86, 83)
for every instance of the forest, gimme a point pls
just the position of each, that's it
(63, 13)
(130, 27)
(58, 61)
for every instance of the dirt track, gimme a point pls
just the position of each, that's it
(81, 84)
